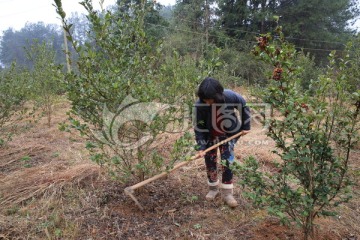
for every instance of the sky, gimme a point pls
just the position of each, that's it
(15, 13)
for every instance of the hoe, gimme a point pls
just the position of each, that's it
(130, 190)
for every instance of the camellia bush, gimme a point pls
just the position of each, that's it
(314, 132)
(46, 78)
(12, 96)
(127, 97)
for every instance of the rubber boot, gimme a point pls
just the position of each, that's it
(227, 195)
(213, 190)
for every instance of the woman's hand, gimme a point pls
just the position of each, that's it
(201, 153)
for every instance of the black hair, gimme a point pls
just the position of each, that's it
(211, 88)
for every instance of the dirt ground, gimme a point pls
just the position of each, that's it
(49, 189)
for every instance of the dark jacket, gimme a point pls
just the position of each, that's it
(204, 117)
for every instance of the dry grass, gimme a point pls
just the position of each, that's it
(37, 168)
(46, 179)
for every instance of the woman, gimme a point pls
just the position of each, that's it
(216, 120)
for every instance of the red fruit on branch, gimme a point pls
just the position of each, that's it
(277, 74)
(303, 105)
(262, 42)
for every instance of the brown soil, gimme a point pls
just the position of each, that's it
(49, 189)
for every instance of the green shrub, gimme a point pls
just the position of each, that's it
(314, 134)
(46, 78)
(12, 95)
(127, 94)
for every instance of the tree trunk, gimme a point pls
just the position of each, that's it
(207, 22)
(308, 228)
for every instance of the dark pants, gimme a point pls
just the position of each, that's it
(226, 153)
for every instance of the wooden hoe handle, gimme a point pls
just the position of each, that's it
(130, 190)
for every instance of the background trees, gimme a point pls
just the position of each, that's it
(13, 43)
(243, 19)
(317, 25)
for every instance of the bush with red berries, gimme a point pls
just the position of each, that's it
(314, 133)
